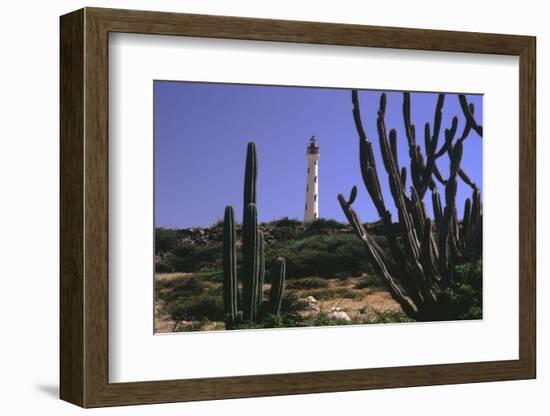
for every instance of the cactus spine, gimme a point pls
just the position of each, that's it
(423, 252)
(252, 306)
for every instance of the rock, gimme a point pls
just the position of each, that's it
(337, 313)
(311, 304)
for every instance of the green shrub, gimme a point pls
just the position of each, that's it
(286, 321)
(165, 240)
(196, 308)
(470, 290)
(286, 229)
(464, 298)
(293, 304)
(322, 224)
(321, 255)
(321, 248)
(164, 267)
(188, 287)
(209, 275)
(370, 281)
(188, 257)
(307, 283)
(390, 317)
(323, 319)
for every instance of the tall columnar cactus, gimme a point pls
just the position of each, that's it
(419, 269)
(230, 288)
(250, 307)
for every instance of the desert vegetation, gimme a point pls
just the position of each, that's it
(420, 267)
(189, 289)
(286, 273)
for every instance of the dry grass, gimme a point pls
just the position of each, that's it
(161, 277)
(366, 303)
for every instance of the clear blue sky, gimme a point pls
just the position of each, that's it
(201, 132)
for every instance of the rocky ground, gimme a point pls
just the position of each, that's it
(344, 301)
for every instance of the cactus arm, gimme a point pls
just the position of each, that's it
(466, 179)
(261, 272)
(429, 254)
(378, 257)
(468, 111)
(437, 175)
(366, 159)
(433, 155)
(277, 287)
(409, 128)
(397, 185)
(409, 233)
(393, 145)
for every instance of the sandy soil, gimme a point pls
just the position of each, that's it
(168, 276)
(375, 303)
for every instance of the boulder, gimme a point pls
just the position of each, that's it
(312, 304)
(337, 313)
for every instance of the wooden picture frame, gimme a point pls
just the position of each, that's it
(84, 207)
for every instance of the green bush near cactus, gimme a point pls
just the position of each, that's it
(308, 283)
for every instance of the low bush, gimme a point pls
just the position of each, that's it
(164, 267)
(188, 257)
(188, 287)
(166, 240)
(321, 255)
(322, 225)
(307, 283)
(470, 290)
(370, 281)
(324, 248)
(291, 303)
(324, 319)
(390, 317)
(196, 308)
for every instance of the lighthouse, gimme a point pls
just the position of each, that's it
(311, 211)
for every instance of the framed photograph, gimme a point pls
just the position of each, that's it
(255, 207)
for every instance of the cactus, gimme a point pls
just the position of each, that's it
(419, 269)
(230, 287)
(253, 308)
(250, 176)
(251, 263)
(276, 295)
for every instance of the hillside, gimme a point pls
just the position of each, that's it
(321, 248)
(329, 280)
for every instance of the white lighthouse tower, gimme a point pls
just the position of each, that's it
(312, 188)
